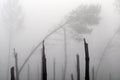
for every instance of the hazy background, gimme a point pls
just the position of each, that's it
(42, 16)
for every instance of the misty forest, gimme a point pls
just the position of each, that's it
(59, 39)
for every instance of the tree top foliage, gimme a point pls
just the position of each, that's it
(83, 17)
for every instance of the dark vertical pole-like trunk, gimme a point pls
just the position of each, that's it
(44, 65)
(86, 61)
(72, 78)
(93, 74)
(54, 72)
(12, 74)
(78, 67)
(16, 65)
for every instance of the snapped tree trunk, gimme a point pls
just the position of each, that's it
(12, 73)
(44, 65)
(78, 67)
(86, 61)
(16, 65)
(72, 78)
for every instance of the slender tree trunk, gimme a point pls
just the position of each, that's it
(78, 67)
(86, 61)
(93, 73)
(72, 78)
(65, 49)
(44, 65)
(38, 73)
(110, 76)
(28, 72)
(12, 74)
(54, 70)
(16, 64)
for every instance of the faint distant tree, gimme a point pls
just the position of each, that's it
(93, 73)
(28, 76)
(54, 70)
(72, 78)
(12, 16)
(117, 4)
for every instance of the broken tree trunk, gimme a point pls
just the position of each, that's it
(16, 64)
(78, 67)
(72, 78)
(44, 65)
(86, 61)
(12, 74)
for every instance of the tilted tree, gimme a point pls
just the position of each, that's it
(80, 20)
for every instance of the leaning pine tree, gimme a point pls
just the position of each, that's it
(44, 65)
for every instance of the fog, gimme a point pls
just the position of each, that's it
(38, 18)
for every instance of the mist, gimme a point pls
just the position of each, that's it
(57, 29)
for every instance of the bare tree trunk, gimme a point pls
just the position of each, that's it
(93, 74)
(54, 70)
(65, 49)
(44, 65)
(38, 73)
(16, 65)
(72, 78)
(12, 74)
(86, 61)
(110, 76)
(28, 72)
(78, 67)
